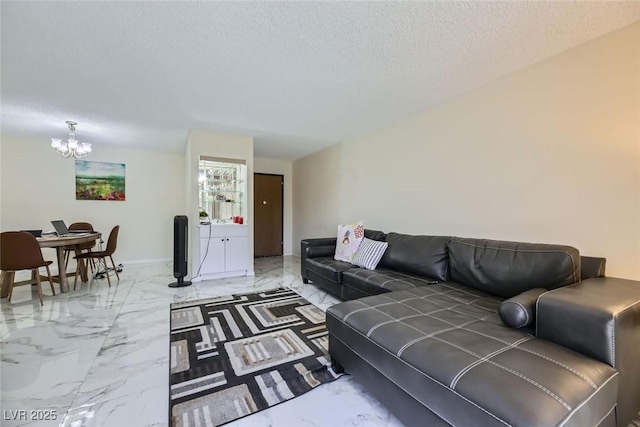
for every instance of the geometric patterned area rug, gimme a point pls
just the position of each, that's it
(235, 355)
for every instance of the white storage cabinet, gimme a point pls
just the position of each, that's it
(225, 253)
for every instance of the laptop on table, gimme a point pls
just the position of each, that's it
(62, 230)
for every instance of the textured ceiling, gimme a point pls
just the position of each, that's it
(298, 76)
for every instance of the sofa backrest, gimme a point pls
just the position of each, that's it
(592, 267)
(507, 269)
(380, 236)
(426, 256)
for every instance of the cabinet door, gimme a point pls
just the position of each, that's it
(212, 251)
(236, 253)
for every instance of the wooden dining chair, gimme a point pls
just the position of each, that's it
(21, 251)
(102, 255)
(79, 226)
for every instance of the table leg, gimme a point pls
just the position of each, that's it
(62, 272)
(5, 283)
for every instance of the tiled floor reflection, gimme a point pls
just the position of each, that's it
(99, 356)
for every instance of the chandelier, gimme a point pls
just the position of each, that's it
(71, 147)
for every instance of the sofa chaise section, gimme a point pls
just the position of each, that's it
(440, 355)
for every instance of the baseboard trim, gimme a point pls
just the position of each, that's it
(145, 261)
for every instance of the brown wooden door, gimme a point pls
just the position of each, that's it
(268, 213)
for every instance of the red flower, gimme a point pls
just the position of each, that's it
(358, 231)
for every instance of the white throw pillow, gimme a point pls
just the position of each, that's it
(370, 253)
(349, 238)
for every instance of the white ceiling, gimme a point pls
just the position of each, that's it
(299, 76)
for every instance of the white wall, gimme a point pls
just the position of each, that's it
(285, 168)
(38, 186)
(547, 154)
(317, 201)
(206, 143)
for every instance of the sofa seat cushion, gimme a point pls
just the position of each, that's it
(329, 268)
(447, 348)
(374, 282)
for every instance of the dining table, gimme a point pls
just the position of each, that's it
(58, 243)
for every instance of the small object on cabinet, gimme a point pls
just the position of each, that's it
(204, 217)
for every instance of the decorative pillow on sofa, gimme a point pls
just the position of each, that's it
(520, 311)
(349, 238)
(369, 253)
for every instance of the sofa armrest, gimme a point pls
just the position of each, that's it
(313, 248)
(591, 267)
(599, 318)
(320, 241)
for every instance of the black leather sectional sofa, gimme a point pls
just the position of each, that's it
(424, 332)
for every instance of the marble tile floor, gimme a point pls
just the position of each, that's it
(99, 356)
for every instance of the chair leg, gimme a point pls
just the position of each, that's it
(39, 286)
(114, 267)
(91, 262)
(75, 278)
(4, 287)
(66, 259)
(10, 276)
(106, 270)
(50, 279)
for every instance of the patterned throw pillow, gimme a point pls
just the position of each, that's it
(349, 238)
(370, 253)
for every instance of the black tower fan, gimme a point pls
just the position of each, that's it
(180, 223)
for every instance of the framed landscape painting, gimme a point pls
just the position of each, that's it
(99, 181)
